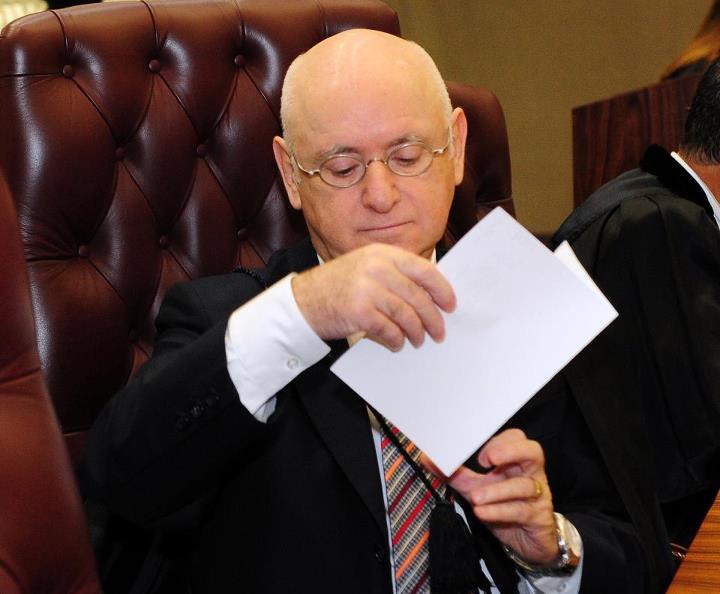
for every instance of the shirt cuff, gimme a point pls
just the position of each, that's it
(569, 584)
(268, 343)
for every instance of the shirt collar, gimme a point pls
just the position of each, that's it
(708, 194)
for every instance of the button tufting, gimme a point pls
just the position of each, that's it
(68, 71)
(83, 251)
(164, 242)
(243, 234)
(239, 60)
(154, 65)
(119, 153)
(201, 150)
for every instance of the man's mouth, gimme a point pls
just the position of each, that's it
(384, 227)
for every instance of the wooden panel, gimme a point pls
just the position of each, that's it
(700, 572)
(610, 136)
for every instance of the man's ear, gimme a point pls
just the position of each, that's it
(458, 122)
(285, 165)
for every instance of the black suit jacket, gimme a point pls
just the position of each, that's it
(649, 386)
(295, 505)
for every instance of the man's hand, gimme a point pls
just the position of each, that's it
(513, 500)
(383, 291)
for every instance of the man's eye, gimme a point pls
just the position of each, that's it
(406, 157)
(341, 167)
(405, 161)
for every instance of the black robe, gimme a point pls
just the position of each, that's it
(649, 386)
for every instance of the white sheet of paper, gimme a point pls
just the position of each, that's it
(523, 313)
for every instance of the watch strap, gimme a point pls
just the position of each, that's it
(569, 545)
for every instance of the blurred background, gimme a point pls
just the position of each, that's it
(10, 10)
(542, 58)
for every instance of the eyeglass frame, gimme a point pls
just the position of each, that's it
(433, 152)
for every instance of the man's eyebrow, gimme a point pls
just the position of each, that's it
(343, 149)
(338, 149)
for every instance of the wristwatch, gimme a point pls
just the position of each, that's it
(569, 544)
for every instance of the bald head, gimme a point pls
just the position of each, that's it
(360, 98)
(345, 68)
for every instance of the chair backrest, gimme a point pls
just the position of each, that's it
(136, 140)
(44, 545)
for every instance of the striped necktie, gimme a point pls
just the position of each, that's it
(409, 507)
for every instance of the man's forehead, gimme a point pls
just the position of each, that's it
(369, 127)
(381, 111)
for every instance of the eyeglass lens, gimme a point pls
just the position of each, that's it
(344, 170)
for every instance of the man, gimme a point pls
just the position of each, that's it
(650, 240)
(237, 432)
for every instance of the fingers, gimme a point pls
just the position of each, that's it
(411, 307)
(512, 447)
(385, 292)
(518, 476)
(384, 330)
(494, 497)
(522, 488)
(497, 499)
(513, 499)
(517, 512)
(427, 276)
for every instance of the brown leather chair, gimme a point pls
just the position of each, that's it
(44, 547)
(136, 141)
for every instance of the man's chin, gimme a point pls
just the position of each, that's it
(399, 237)
(413, 245)
(422, 250)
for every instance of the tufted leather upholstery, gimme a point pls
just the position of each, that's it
(37, 556)
(136, 139)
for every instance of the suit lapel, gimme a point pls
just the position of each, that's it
(338, 414)
(341, 419)
(295, 259)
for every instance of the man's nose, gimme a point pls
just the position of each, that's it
(380, 191)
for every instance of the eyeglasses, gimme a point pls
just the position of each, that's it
(406, 160)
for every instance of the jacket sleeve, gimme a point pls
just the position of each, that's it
(165, 441)
(585, 493)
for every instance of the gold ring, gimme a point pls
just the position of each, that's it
(538, 488)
